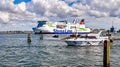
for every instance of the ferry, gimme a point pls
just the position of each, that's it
(61, 27)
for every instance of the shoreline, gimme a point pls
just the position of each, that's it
(32, 32)
(16, 32)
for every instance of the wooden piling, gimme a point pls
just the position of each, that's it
(108, 34)
(29, 38)
(41, 36)
(106, 54)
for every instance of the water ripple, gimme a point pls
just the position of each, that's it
(16, 52)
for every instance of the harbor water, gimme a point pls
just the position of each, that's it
(15, 51)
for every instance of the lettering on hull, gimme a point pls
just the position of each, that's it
(62, 31)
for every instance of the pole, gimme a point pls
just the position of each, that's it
(41, 36)
(106, 54)
(29, 38)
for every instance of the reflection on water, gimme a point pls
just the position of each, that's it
(16, 52)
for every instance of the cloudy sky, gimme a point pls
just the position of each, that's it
(24, 14)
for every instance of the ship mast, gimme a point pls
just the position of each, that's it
(112, 28)
(112, 23)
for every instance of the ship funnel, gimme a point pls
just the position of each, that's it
(82, 22)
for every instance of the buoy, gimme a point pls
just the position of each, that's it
(29, 38)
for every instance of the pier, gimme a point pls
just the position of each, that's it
(115, 37)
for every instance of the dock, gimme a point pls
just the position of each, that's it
(115, 37)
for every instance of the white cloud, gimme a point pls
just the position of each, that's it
(22, 6)
(16, 12)
(37, 9)
(97, 13)
(59, 8)
(4, 16)
(11, 14)
(50, 8)
(104, 7)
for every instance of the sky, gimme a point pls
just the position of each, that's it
(19, 1)
(21, 15)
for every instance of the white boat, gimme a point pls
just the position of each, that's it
(86, 39)
(61, 27)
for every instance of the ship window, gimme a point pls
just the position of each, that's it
(61, 26)
(89, 37)
(72, 27)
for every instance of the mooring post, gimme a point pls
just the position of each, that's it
(29, 38)
(106, 54)
(41, 36)
(108, 34)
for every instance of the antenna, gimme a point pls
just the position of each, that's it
(112, 23)
(112, 28)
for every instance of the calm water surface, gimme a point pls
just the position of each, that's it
(16, 52)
